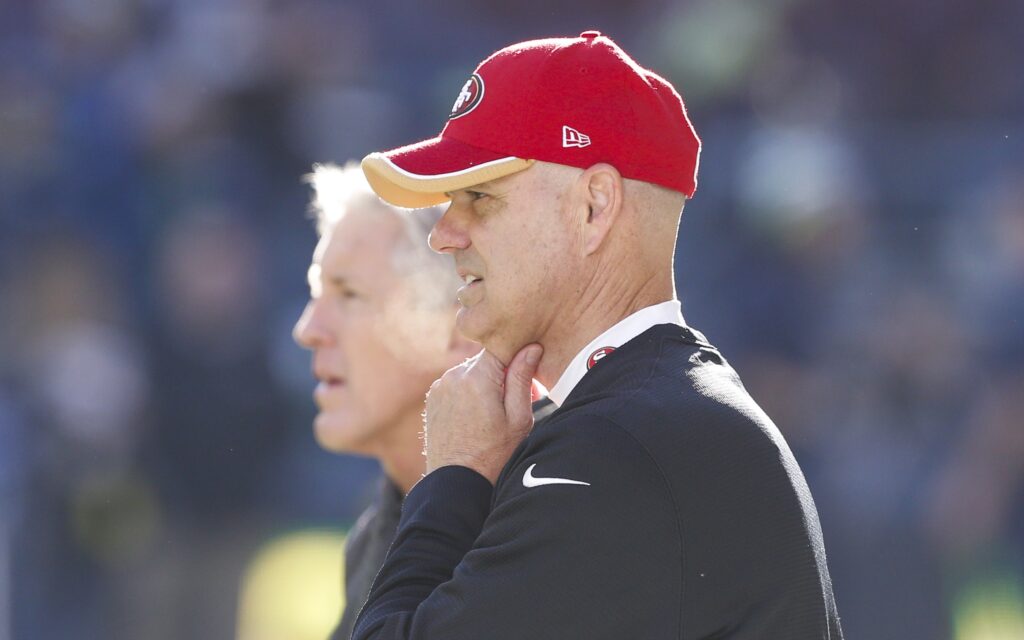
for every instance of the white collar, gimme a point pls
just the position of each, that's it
(631, 326)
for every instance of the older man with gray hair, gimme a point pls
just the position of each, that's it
(381, 325)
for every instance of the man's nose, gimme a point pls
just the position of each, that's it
(309, 330)
(449, 234)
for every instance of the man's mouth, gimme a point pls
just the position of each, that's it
(470, 292)
(326, 390)
(328, 379)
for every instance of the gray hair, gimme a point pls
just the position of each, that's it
(429, 280)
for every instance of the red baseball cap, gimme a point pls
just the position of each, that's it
(572, 101)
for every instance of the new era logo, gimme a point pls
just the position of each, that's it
(573, 138)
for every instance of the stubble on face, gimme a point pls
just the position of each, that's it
(522, 236)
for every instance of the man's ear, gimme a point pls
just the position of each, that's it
(601, 189)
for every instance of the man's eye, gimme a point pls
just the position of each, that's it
(476, 195)
(345, 293)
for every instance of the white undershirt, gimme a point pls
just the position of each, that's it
(668, 312)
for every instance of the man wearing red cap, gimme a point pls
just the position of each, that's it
(658, 500)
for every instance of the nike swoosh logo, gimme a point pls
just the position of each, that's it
(530, 481)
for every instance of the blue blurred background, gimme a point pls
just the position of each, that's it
(856, 248)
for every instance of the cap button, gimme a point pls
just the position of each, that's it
(590, 34)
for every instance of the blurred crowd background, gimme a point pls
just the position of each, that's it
(856, 248)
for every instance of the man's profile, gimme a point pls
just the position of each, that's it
(658, 500)
(380, 323)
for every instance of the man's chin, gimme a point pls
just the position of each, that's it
(470, 323)
(333, 434)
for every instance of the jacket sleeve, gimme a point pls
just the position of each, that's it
(549, 560)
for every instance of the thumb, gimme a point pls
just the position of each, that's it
(519, 385)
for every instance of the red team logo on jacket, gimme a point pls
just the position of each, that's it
(470, 96)
(597, 355)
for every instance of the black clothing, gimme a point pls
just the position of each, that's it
(696, 522)
(542, 409)
(365, 547)
(368, 541)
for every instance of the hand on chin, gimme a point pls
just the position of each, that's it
(478, 412)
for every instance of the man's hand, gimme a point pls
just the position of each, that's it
(477, 412)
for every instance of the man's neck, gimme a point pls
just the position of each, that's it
(401, 457)
(592, 316)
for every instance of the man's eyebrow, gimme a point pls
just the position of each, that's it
(337, 280)
(475, 187)
(316, 272)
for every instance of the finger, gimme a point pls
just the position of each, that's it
(519, 384)
(492, 367)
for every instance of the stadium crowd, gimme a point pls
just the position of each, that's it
(855, 248)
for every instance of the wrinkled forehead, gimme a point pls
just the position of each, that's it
(504, 183)
(354, 255)
(539, 178)
(360, 235)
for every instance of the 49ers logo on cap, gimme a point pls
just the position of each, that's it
(597, 355)
(470, 96)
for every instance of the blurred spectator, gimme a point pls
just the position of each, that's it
(218, 416)
(219, 421)
(85, 384)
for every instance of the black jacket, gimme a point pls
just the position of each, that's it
(367, 543)
(696, 521)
